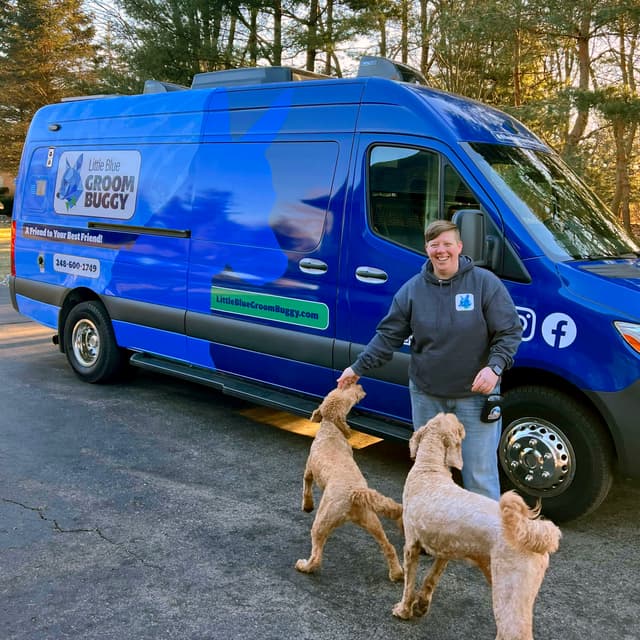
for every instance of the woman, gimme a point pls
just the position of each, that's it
(464, 332)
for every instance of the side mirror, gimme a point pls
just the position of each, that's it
(486, 245)
(471, 223)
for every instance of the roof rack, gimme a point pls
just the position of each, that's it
(369, 66)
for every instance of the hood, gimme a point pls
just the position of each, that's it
(614, 283)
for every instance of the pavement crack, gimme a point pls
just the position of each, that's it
(96, 530)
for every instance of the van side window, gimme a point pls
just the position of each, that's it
(403, 193)
(408, 190)
(457, 194)
(271, 195)
(302, 175)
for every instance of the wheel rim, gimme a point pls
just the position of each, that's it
(537, 457)
(86, 343)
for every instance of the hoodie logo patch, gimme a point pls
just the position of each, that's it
(464, 302)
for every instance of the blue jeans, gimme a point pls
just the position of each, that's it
(480, 466)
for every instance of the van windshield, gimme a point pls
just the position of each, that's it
(561, 213)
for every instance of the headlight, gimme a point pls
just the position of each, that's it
(630, 332)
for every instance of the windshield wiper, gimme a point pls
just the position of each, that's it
(604, 256)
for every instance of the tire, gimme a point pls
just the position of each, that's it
(555, 449)
(90, 344)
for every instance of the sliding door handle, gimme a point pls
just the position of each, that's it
(371, 275)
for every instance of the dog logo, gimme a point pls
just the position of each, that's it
(70, 188)
(464, 302)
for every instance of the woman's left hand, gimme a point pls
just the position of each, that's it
(485, 382)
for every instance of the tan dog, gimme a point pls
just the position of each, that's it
(504, 539)
(346, 496)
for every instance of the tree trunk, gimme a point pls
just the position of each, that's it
(253, 37)
(329, 44)
(404, 35)
(337, 69)
(424, 38)
(584, 67)
(228, 51)
(277, 33)
(620, 204)
(517, 90)
(382, 25)
(312, 41)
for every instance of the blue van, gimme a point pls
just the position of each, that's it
(249, 233)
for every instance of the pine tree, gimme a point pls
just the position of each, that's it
(172, 40)
(45, 54)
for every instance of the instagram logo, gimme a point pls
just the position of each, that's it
(528, 320)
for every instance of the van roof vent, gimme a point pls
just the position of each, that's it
(385, 68)
(252, 75)
(156, 86)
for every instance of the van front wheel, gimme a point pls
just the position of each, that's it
(90, 344)
(555, 449)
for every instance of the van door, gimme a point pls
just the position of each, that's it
(267, 224)
(400, 187)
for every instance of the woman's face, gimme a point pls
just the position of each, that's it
(443, 251)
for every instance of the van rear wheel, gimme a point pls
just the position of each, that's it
(90, 344)
(555, 449)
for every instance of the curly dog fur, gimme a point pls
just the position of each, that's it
(505, 540)
(346, 496)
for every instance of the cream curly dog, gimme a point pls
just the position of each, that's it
(346, 496)
(505, 540)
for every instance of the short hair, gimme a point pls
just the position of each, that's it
(437, 227)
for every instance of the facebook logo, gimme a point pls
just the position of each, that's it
(559, 330)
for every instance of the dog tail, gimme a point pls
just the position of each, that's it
(522, 528)
(372, 499)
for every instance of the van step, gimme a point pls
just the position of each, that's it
(386, 429)
(267, 396)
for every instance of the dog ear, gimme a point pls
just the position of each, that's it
(414, 442)
(316, 416)
(451, 438)
(341, 423)
(452, 455)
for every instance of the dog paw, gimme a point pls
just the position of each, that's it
(421, 606)
(402, 611)
(396, 574)
(304, 566)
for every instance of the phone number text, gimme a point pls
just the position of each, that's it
(76, 265)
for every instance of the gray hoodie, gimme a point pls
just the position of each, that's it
(457, 327)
